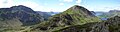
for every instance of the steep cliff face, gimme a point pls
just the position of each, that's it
(26, 15)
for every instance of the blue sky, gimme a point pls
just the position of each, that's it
(62, 5)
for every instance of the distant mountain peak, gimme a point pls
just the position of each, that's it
(21, 8)
(114, 11)
(18, 6)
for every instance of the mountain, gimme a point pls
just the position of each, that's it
(105, 15)
(24, 14)
(76, 15)
(111, 25)
(17, 18)
(114, 11)
(75, 19)
(93, 12)
(45, 15)
(73, 15)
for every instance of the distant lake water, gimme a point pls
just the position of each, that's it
(103, 18)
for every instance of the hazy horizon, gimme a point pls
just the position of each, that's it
(62, 5)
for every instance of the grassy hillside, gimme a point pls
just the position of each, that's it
(75, 15)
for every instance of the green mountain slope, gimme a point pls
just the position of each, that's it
(111, 25)
(9, 25)
(76, 15)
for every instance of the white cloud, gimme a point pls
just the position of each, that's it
(66, 0)
(1, 2)
(36, 6)
(61, 4)
(102, 8)
(110, 8)
(6, 3)
(117, 8)
(78, 2)
(32, 5)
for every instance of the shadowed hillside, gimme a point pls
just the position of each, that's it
(24, 14)
(17, 18)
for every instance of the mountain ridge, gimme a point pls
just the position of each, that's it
(25, 14)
